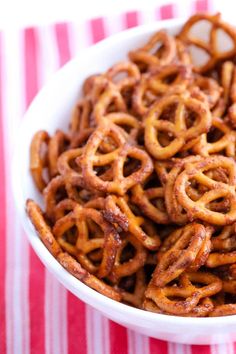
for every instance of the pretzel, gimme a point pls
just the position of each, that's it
(57, 144)
(164, 55)
(198, 209)
(118, 211)
(176, 213)
(131, 78)
(211, 48)
(225, 239)
(210, 88)
(133, 288)
(179, 251)
(81, 116)
(176, 128)
(226, 309)
(39, 158)
(225, 143)
(83, 244)
(164, 297)
(122, 267)
(110, 96)
(119, 184)
(151, 200)
(203, 309)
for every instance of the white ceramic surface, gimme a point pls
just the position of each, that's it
(51, 109)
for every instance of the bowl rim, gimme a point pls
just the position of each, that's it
(69, 281)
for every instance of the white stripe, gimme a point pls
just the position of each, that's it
(141, 344)
(114, 24)
(89, 329)
(78, 37)
(171, 348)
(48, 53)
(131, 341)
(100, 333)
(55, 324)
(147, 16)
(17, 315)
(55, 294)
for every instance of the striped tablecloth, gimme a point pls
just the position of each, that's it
(37, 314)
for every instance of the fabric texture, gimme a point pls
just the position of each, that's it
(37, 314)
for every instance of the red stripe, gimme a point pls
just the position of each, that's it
(62, 38)
(118, 339)
(166, 11)
(37, 272)
(131, 19)
(2, 224)
(97, 29)
(201, 6)
(158, 346)
(203, 349)
(76, 325)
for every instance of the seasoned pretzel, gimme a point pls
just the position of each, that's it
(203, 309)
(39, 158)
(225, 239)
(161, 56)
(199, 209)
(119, 184)
(165, 297)
(151, 200)
(178, 252)
(175, 211)
(154, 124)
(82, 244)
(57, 144)
(225, 143)
(118, 211)
(81, 116)
(211, 48)
(134, 296)
(122, 267)
(128, 68)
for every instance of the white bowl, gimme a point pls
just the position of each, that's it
(51, 109)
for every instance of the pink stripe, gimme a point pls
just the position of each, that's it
(37, 272)
(76, 325)
(201, 5)
(118, 339)
(158, 346)
(203, 349)
(166, 11)
(97, 29)
(2, 224)
(62, 42)
(131, 19)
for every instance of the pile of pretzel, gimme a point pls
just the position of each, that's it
(140, 193)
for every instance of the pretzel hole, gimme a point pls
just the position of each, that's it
(214, 135)
(170, 79)
(221, 205)
(201, 30)
(152, 182)
(199, 56)
(128, 253)
(119, 76)
(165, 138)
(71, 235)
(191, 118)
(157, 49)
(128, 283)
(60, 194)
(168, 112)
(131, 165)
(223, 37)
(95, 256)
